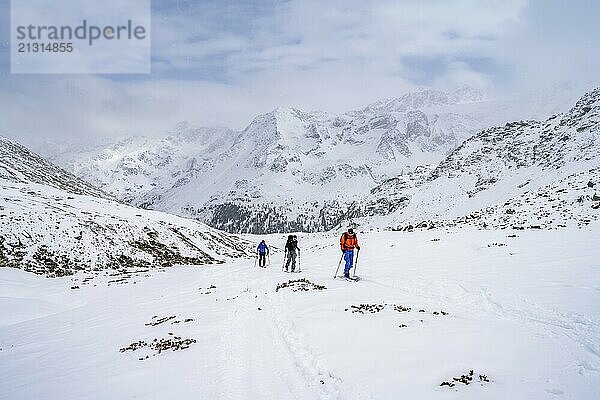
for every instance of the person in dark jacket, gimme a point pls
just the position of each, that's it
(291, 251)
(263, 252)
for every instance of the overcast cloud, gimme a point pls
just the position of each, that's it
(222, 62)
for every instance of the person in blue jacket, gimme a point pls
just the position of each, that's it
(263, 252)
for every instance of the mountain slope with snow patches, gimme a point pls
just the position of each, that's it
(573, 201)
(500, 165)
(19, 165)
(54, 224)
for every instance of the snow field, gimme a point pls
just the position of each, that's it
(521, 310)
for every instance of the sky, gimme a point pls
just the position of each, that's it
(221, 62)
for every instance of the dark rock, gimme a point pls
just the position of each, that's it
(297, 285)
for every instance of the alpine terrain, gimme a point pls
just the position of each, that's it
(525, 174)
(474, 272)
(55, 224)
(288, 170)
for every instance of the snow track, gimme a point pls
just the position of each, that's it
(261, 337)
(255, 360)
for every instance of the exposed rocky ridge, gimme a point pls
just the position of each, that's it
(498, 164)
(560, 139)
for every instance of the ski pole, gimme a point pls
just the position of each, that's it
(338, 268)
(356, 262)
(269, 259)
(299, 265)
(284, 256)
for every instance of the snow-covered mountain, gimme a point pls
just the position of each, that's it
(288, 169)
(421, 327)
(572, 201)
(535, 171)
(55, 224)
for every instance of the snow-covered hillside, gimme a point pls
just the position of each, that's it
(572, 201)
(19, 165)
(54, 224)
(289, 169)
(543, 172)
(518, 308)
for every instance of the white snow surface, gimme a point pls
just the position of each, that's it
(521, 310)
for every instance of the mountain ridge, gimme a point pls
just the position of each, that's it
(500, 165)
(293, 164)
(291, 170)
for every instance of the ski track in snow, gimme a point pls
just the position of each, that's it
(575, 326)
(251, 344)
(271, 340)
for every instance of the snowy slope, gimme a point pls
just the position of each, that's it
(520, 310)
(55, 224)
(573, 201)
(301, 168)
(51, 232)
(132, 168)
(19, 165)
(500, 165)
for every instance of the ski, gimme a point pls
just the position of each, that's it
(351, 279)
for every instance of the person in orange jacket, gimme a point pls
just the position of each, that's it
(348, 242)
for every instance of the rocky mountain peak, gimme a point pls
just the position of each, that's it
(586, 111)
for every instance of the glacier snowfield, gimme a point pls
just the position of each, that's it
(519, 308)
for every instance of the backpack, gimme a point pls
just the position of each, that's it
(346, 238)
